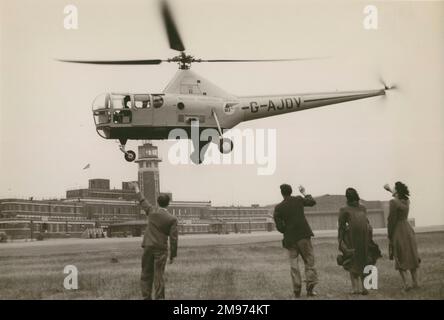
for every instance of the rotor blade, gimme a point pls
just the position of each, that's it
(171, 29)
(255, 60)
(117, 62)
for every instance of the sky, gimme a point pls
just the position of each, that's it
(47, 133)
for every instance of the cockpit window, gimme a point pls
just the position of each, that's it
(121, 104)
(142, 101)
(127, 102)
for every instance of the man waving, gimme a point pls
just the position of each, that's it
(290, 220)
(161, 226)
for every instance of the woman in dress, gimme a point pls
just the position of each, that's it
(355, 241)
(402, 241)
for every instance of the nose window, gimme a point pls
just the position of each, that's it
(100, 106)
(120, 101)
(101, 102)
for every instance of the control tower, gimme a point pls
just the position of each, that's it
(148, 172)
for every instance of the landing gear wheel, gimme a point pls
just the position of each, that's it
(225, 145)
(130, 156)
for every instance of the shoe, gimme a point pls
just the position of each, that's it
(310, 291)
(364, 292)
(297, 293)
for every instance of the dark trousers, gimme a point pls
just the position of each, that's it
(304, 249)
(153, 268)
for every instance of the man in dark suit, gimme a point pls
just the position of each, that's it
(290, 220)
(161, 225)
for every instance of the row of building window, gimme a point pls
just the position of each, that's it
(106, 209)
(98, 194)
(49, 227)
(228, 227)
(100, 209)
(240, 212)
(40, 208)
(145, 164)
(185, 212)
(149, 153)
(53, 217)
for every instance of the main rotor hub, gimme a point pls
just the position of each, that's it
(184, 60)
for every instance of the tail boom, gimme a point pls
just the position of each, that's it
(266, 106)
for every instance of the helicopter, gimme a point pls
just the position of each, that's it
(189, 99)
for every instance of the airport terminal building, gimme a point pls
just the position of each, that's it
(89, 211)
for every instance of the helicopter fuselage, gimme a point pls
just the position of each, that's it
(190, 102)
(153, 116)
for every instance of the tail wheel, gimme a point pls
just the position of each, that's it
(130, 156)
(225, 145)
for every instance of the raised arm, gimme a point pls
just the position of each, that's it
(146, 206)
(308, 199)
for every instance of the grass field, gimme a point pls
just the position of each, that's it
(244, 271)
